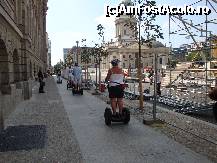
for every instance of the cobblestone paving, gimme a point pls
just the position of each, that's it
(45, 109)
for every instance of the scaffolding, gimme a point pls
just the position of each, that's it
(183, 87)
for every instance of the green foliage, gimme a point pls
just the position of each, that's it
(99, 51)
(100, 29)
(58, 66)
(69, 60)
(85, 55)
(194, 56)
(173, 63)
(145, 24)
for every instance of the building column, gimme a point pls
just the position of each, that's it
(4, 69)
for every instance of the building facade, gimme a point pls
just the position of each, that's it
(49, 55)
(213, 45)
(22, 49)
(82, 53)
(66, 52)
(126, 47)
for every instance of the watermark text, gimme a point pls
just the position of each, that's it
(156, 10)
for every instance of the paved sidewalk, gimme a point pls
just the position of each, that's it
(132, 143)
(75, 132)
(45, 109)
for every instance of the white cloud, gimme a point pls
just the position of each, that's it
(57, 42)
(107, 22)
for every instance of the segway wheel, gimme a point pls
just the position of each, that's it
(108, 116)
(126, 114)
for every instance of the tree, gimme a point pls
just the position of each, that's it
(69, 60)
(99, 49)
(194, 56)
(86, 59)
(58, 66)
(146, 32)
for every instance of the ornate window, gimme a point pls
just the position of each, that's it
(160, 60)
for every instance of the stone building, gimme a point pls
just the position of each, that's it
(126, 48)
(66, 52)
(213, 44)
(48, 43)
(23, 49)
(80, 52)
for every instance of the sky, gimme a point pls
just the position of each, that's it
(69, 21)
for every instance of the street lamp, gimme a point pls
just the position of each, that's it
(77, 51)
(140, 67)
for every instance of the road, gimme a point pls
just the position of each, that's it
(132, 143)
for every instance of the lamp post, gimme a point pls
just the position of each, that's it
(77, 51)
(155, 85)
(140, 67)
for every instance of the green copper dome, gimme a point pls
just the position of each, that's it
(127, 2)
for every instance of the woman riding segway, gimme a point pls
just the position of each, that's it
(115, 77)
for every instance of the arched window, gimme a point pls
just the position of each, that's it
(160, 61)
(4, 66)
(30, 70)
(16, 66)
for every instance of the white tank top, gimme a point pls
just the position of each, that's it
(116, 79)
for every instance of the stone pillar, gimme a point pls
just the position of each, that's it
(25, 69)
(16, 66)
(4, 69)
(7, 104)
(27, 89)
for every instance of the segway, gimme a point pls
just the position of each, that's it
(109, 117)
(59, 80)
(75, 91)
(70, 84)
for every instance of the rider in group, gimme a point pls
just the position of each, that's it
(115, 77)
(71, 76)
(77, 72)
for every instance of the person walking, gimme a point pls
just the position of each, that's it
(151, 74)
(41, 82)
(158, 87)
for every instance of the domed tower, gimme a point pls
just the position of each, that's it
(127, 2)
(124, 34)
